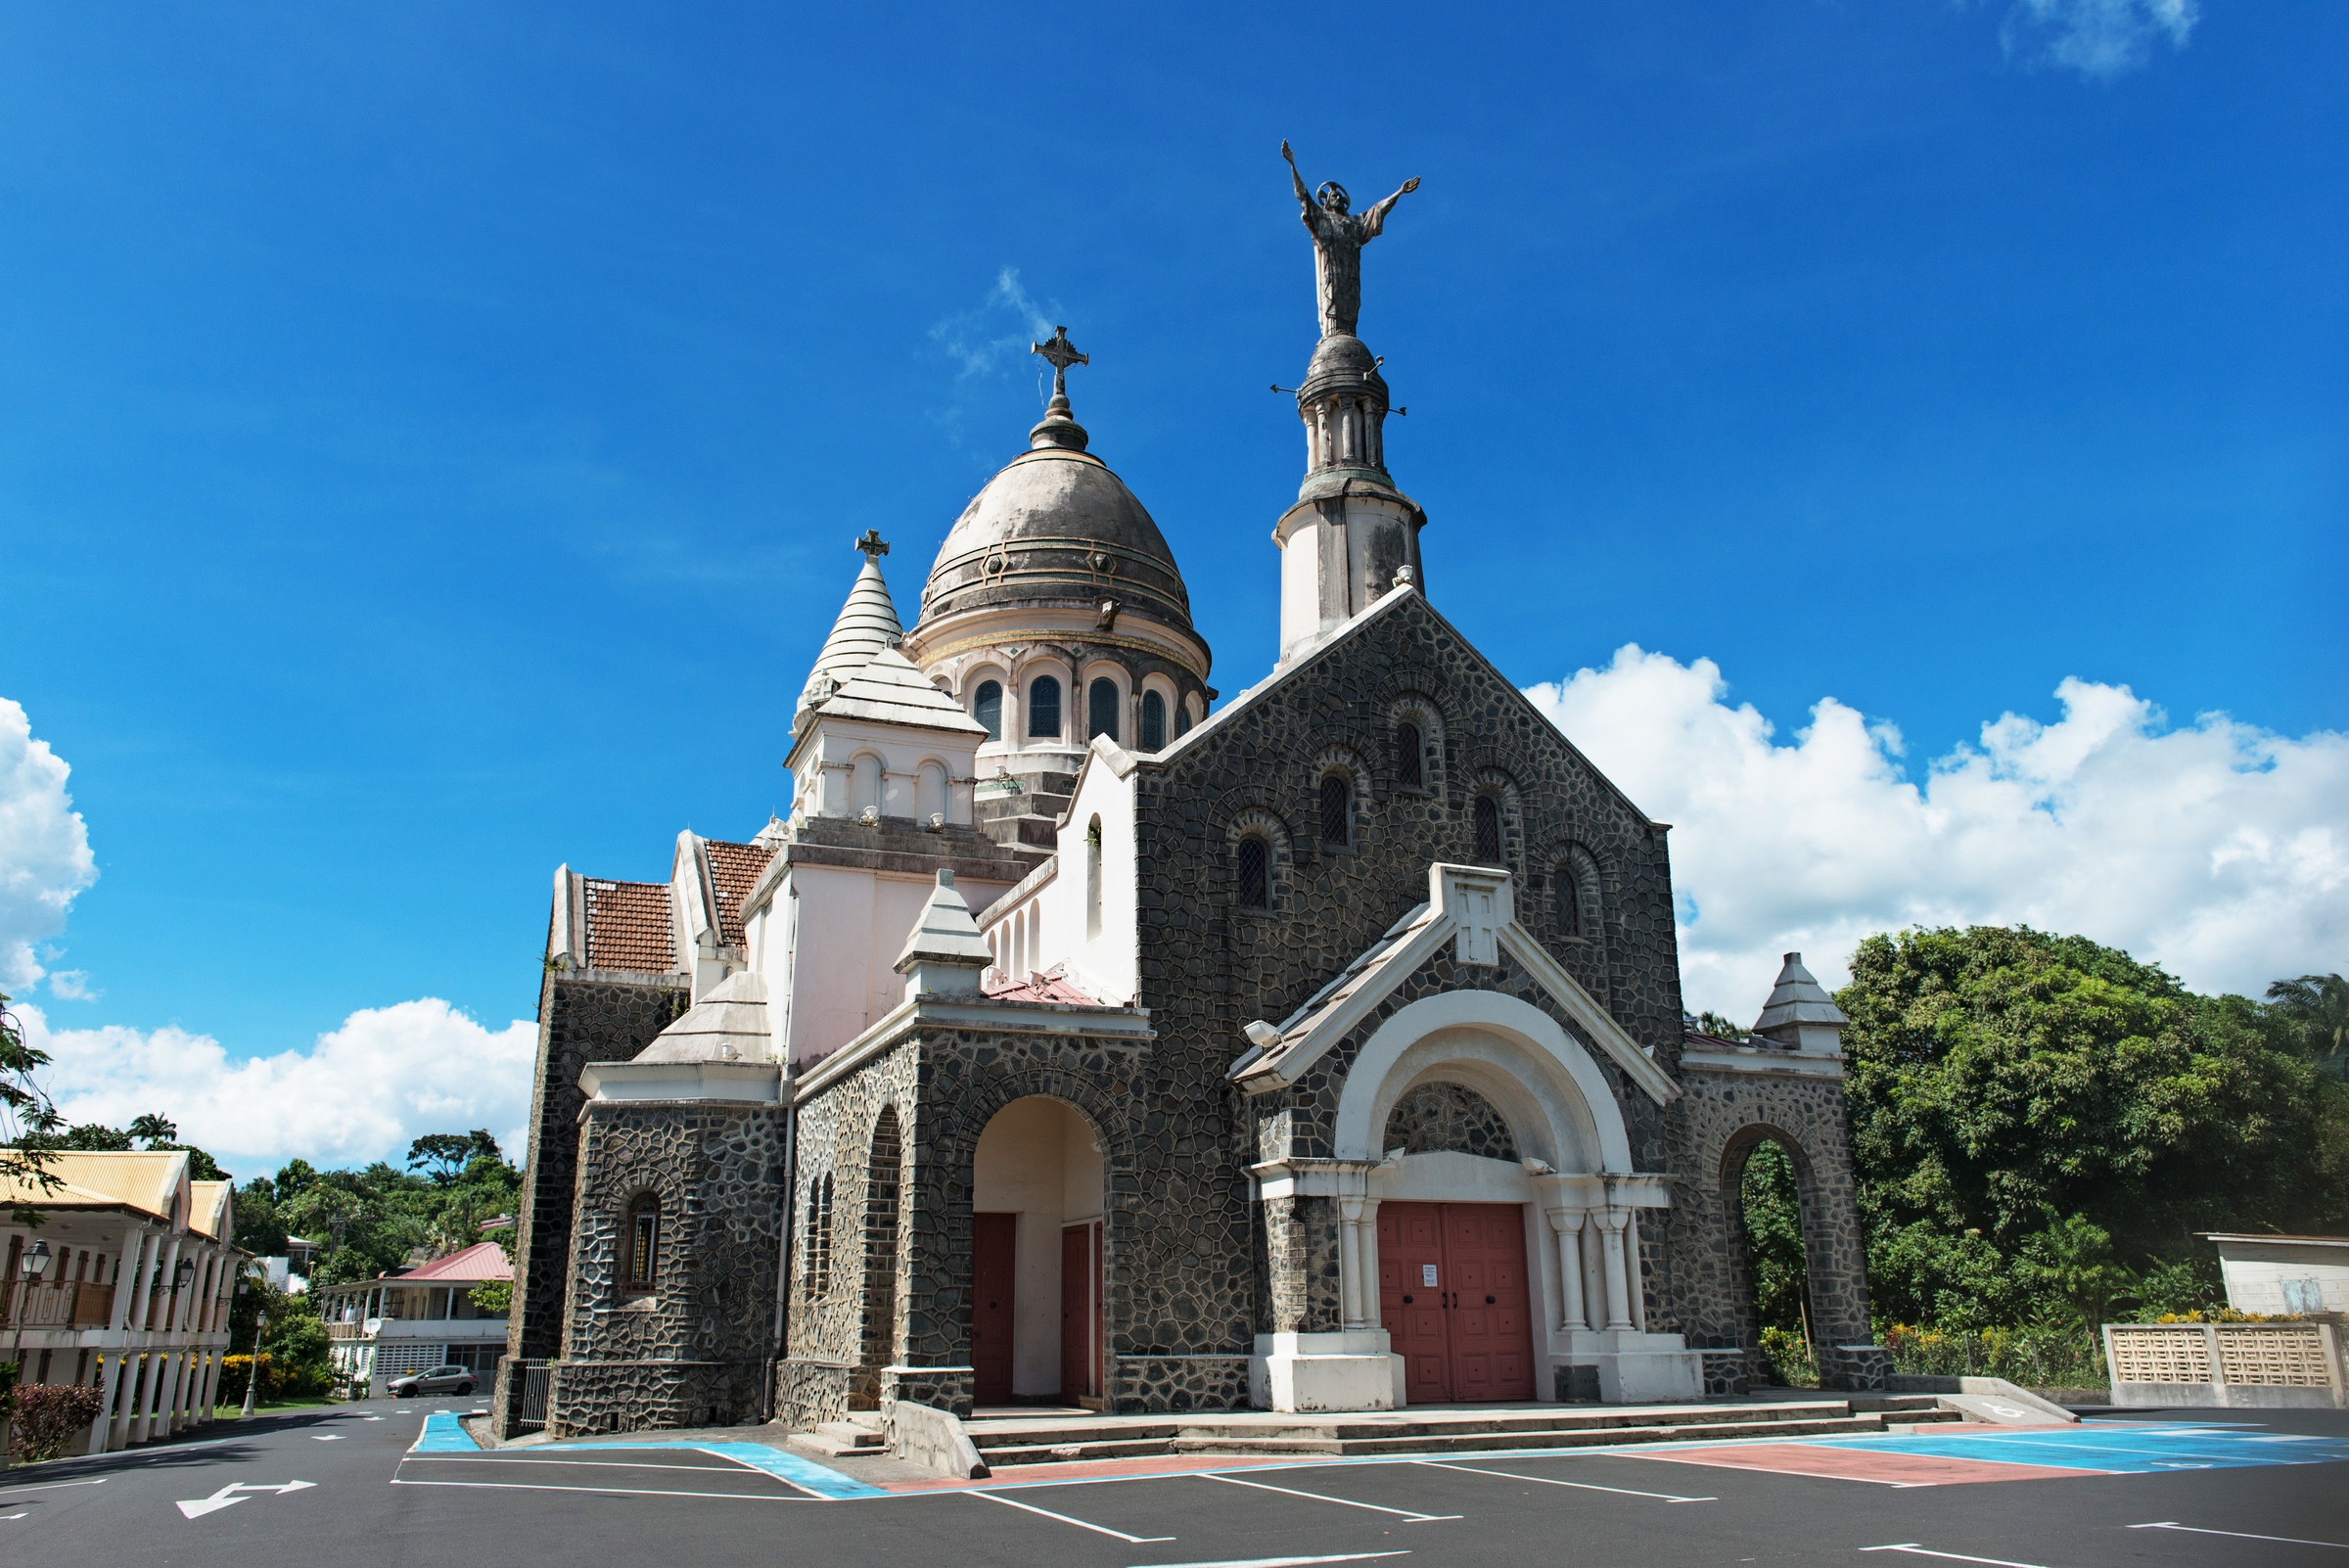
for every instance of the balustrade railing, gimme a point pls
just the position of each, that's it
(67, 1304)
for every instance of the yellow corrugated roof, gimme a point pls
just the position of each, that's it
(144, 1181)
(207, 1208)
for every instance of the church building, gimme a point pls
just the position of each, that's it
(1086, 1038)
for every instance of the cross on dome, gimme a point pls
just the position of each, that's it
(1060, 354)
(873, 545)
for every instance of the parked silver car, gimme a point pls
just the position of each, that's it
(436, 1380)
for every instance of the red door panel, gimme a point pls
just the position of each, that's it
(1467, 1336)
(995, 1260)
(1079, 1311)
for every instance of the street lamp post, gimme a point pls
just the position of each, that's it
(33, 1265)
(253, 1373)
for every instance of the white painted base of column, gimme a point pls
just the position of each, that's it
(1633, 1368)
(1345, 1372)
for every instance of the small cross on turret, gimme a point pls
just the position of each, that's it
(873, 546)
(1060, 354)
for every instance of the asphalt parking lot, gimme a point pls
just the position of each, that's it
(398, 1481)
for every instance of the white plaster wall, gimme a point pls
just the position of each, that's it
(2255, 1274)
(821, 764)
(1037, 1160)
(1301, 585)
(1111, 963)
(847, 927)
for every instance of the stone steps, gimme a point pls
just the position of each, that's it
(833, 1440)
(1057, 1442)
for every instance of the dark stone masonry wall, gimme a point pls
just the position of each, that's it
(694, 1350)
(583, 1018)
(1209, 967)
(1449, 1116)
(1718, 1121)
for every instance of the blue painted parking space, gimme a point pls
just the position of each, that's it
(2121, 1447)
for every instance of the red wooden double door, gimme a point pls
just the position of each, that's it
(1452, 1296)
(995, 1266)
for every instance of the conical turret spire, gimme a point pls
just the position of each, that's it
(867, 623)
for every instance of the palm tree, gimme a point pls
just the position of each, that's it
(2320, 1005)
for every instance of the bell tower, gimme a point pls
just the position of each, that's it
(1351, 538)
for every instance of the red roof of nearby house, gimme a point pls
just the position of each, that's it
(482, 1261)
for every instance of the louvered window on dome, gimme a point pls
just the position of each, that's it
(1408, 769)
(1570, 903)
(1043, 708)
(1101, 709)
(1488, 829)
(1336, 809)
(986, 707)
(640, 1246)
(1255, 877)
(1154, 721)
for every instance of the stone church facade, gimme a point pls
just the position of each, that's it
(1082, 1040)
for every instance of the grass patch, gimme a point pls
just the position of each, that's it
(229, 1412)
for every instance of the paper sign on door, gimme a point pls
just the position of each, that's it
(1427, 1274)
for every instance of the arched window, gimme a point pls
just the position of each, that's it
(1488, 829)
(1154, 722)
(1093, 880)
(1408, 771)
(1043, 708)
(1337, 803)
(986, 707)
(819, 1236)
(883, 1173)
(1570, 903)
(1256, 891)
(640, 1246)
(1182, 721)
(1101, 709)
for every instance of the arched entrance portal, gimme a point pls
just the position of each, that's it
(1765, 1187)
(1036, 1257)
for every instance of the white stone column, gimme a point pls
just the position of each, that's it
(1568, 1223)
(1350, 1263)
(102, 1425)
(1612, 1222)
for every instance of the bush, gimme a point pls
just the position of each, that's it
(51, 1416)
(1788, 1354)
(236, 1369)
(2042, 1356)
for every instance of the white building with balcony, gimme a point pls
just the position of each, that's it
(127, 1289)
(417, 1318)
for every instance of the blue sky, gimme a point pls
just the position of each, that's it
(429, 437)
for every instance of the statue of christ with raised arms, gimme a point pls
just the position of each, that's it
(1338, 240)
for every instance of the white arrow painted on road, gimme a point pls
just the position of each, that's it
(198, 1507)
(326, 1437)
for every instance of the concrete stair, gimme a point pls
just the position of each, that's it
(835, 1440)
(1014, 1441)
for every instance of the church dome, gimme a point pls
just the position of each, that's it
(1056, 527)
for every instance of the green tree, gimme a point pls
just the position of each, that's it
(152, 1130)
(2075, 1258)
(2317, 1007)
(448, 1154)
(25, 1111)
(260, 1228)
(1996, 1074)
(1773, 1240)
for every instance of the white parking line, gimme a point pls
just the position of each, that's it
(1405, 1514)
(630, 1491)
(1583, 1485)
(2290, 1540)
(605, 1464)
(1100, 1529)
(1277, 1562)
(1954, 1556)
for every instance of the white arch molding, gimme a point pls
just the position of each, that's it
(1574, 1183)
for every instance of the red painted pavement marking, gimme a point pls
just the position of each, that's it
(1885, 1468)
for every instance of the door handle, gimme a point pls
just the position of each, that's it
(1489, 1301)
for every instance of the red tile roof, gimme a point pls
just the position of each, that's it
(1039, 988)
(483, 1260)
(735, 869)
(628, 927)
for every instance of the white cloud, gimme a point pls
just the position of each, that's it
(45, 855)
(2219, 850)
(2099, 39)
(1005, 323)
(72, 985)
(386, 1077)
